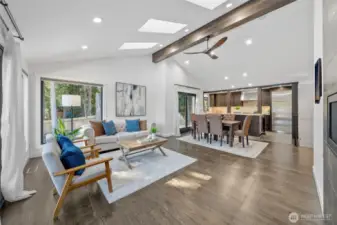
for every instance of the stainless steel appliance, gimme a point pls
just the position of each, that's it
(282, 111)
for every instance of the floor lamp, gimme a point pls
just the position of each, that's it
(71, 101)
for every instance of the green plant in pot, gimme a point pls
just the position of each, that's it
(61, 129)
(153, 132)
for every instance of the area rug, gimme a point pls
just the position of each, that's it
(252, 151)
(148, 167)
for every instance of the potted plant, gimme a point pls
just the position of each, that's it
(61, 129)
(153, 132)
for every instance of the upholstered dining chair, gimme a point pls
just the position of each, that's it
(244, 131)
(65, 180)
(194, 124)
(216, 128)
(202, 126)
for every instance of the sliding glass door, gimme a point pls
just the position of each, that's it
(186, 108)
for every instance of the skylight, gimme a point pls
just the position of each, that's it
(208, 4)
(161, 26)
(137, 45)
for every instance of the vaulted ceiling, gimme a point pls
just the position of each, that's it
(56, 30)
(281, 49)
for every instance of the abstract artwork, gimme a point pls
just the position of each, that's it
(130, 100)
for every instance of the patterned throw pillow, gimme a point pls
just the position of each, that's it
(98, 128)
(109, 128)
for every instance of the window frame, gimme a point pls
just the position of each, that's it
(43, 79)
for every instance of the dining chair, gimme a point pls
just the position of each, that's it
(202, 126)
(216, 128)
(244, 131)
(194, 125)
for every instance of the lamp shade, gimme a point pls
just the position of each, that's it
(71, 100)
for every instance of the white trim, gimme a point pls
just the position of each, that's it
(319, 191)
(35, 153)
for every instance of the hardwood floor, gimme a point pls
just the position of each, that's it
(217, 189)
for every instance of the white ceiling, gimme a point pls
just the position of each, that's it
(55, 30)
(282, 51)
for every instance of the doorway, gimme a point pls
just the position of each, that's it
(187, 103)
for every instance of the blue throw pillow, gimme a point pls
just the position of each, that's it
(71, 157)
(132, 125)
(109, 128)
(63, 140)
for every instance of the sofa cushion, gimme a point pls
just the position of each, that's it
(126, 135)
(143, 125)
(120, 126)
(72, 156)
(109, 128)
(98, 127)
(104, 139)
(142, 133)
(90, 172)
(132, 125)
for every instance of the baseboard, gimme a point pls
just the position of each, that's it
(319, 191)
(36, 153)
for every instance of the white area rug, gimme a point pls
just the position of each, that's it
(252, 151)
(148, 167)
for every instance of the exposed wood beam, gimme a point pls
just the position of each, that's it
(234, 18)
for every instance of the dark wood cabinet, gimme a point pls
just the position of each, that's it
(266, 98)
(212, 100)
(236, 99)
(218, 100)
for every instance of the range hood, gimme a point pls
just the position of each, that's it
(249, 95)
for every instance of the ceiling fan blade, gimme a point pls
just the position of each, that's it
(213, 56)
(193, 53)
(218, 44)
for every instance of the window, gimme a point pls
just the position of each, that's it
(91, 96)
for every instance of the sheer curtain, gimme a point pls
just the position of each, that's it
(14, 151)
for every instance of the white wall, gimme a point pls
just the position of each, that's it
(158, 79)
(318, 108)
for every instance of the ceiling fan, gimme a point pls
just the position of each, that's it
(210, 51)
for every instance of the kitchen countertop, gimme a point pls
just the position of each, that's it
(251, 114)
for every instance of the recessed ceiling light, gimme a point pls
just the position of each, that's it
(249, 41)
(161, 26)
(137, 45)
(229, 5)
(161, 45)
(233, 86)
(245, 74)
(97, 20)
(212, 53)
(250, 85)
(187, 30)
(226, 78)
(208, 4)
(84, 47)
(187, 62)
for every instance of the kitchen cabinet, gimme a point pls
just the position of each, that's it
(236, 99)
(212, 100)
(266, 98)
(218, 100)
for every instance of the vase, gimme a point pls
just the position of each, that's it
(153, 136)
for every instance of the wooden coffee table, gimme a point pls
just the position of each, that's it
(131, 147)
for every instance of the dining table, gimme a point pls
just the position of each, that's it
(231, 124)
